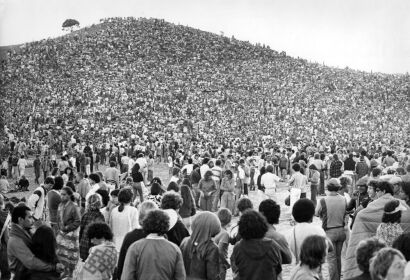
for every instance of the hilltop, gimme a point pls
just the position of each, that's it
(153, 72)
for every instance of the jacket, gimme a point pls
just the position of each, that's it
(197, 268)
(256, 259)
(19, 253)
(68, 217)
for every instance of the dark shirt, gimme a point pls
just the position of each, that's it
(364, 276)
(130, 238)
(177, 233)
(350, 164)
(335, 169)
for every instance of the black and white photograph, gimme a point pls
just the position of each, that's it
(204, 140)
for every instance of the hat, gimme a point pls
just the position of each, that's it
(394, 206)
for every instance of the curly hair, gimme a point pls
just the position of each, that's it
(94, 202)
(244, 204)
(366, 250)
(224, 216)
(99, 230)
(252, 225)
(173, 186)
(303, 210)
(271, 210)
(381, 263)
(402, 244)
(156, 189)
(386, 187)
(156, 221)
(171, 200)
(313, 251)
(94, 177)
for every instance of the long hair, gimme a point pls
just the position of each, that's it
(44, 244)
(124, 197)
(70, 193)
(186, 196)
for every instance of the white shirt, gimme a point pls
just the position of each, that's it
(203, 169)
(188, 168)
(299, 233)
(268, 180)
(122, 223)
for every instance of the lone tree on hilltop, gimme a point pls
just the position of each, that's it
(70, 24)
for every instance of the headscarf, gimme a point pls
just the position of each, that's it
(204, 227)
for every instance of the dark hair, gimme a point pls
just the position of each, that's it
(58, 183)
(50, 181)
(156, 221)
(115, 192)
(313, 251)
(171, 200)
(386, 187)
(175, 171)
(113, 163)
(94, 177)
(71, 185)
(366, 250)
(376, 172)
(303, 210)
(187, 182)
(389, 207)
(104, 195)
(244, 204)
(252, 225)
(99, 230)
(44, 244)
(271, 210)
(19, 212)
(172, 186)
(224, 216)
(70, 193)
(269, 168)
(186, 196)
(156, 189)
(54, 171)
(406, 188)
(402, 244)
(124, 197)
(156, 180)
(296, 167)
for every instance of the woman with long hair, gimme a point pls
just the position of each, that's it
(69, 220)
(137, 180)
(227, 191)
(92, 214)
(188, 208)
(68, 175)
(200, 253)
(312, 256)
(124, 218)
(156, 193)
(207, 187)
(44, 247)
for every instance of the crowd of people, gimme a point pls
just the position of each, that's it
(94, 111)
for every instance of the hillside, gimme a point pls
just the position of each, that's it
(133, 75)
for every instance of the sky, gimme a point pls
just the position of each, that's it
(368, 35)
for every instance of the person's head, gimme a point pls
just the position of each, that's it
(402, 244)
(156, 180)
(224, 216)
(271, 210)
(22, 216)
(262, 170)
(105, 196)
(80, 176)
(252, 225)
(317, 156)
(362, 184)
(144, 208)
(99, 232)
(124, 198)
(244, 204)
(388, 264)
(384, 187)
(269, 168)
(112, 164)
(333, 185)
(312, 167)
(101, 175)
(303, 210)
(94, 178)
(392, 211)
(50, 183)
(366, 250)
(67, 194)
(175, 171)
(296, 167)
(171, 200)
(190, 161)
(376, 172)
(211, 164)
(208, 175)
(173, 186)
(313, 251)
(71, 185)
(156, 221)
(44, 244)
(187, 182)
(68, 171)
(405, 191)
(94, 202)
(114, 196)
(228, 174)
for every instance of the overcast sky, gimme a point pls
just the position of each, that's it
(361, 34)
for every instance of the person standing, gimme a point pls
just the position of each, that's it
(21, 258)
(22, 163)
(208, 190)
(332, 210)
(69, 220)
(37, 201)
(46, 166)
(268, 183)
(53, 201)
(5, 219)
(37, 169)
(336, 167)
(297, 185)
